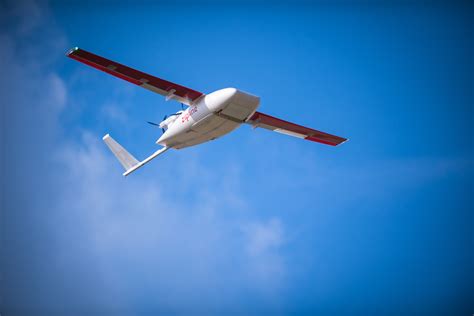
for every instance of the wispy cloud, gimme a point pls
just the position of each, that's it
(178, 235)
(112, 112)
(159, 234)
(58, 92)
(138, 240)
(263, 244)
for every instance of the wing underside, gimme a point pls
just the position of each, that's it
(166, 88)
(266, 121)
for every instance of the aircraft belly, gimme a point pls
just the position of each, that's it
(211, 118)
(212, 128)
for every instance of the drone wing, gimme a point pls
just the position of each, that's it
(166, 88)
(277, 125)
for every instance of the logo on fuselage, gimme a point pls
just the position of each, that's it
(185, 117)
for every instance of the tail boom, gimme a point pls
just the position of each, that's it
(127, 160)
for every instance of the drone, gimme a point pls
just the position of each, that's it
(207, 117)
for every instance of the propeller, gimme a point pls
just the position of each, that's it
(158, 125)
(164, 118)
(153, 123)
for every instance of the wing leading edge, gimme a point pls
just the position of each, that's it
(277, 125)
(166, 88)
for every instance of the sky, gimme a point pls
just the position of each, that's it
(255, 222)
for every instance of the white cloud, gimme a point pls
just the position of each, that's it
(264, 237)
(112, 111)
(133, 216)
(58, 91)
(137, 232)
(264, 241)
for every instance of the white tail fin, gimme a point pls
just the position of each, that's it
(125, 158)
(129, 162)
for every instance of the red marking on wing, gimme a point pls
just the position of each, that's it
(131, 75)
(272, 123)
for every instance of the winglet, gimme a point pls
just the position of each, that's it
(72, 50)
(126, 159)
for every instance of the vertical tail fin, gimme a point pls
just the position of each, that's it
(123, 156)
(127, 160)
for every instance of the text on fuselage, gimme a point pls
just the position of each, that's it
(185, 117)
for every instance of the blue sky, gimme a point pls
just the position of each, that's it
(255, 222)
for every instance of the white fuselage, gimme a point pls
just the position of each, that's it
(212, 116)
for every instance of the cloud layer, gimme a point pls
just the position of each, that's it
(112, 243)
(269, 226)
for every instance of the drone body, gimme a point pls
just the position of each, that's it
(214, 115)
(208, 116)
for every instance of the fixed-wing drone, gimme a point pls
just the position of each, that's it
(208, 116)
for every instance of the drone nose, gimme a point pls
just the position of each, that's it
(226, 94)
(217, 99)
